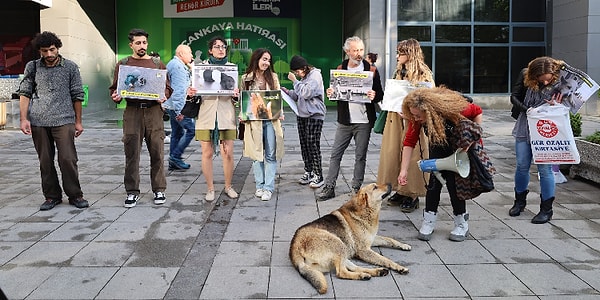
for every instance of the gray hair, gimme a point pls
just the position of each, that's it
(350, 40)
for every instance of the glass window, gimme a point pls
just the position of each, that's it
(529, 11)
(452, 68)
(491, 34)
(492, 10)
(419, 33)
(528, 34)
(490, 70)
(453, 10)
(521, 56)
(453, 34)
(415, 10)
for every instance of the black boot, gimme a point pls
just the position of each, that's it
(545, 213)
(520, 203)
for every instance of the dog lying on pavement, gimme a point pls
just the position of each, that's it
(330, 242)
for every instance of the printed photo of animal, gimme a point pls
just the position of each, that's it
(330, 242)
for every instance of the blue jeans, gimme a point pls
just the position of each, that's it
(343, 135)
(264, 171)
(182, 134)
(524, 158)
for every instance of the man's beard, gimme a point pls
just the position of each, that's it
(357, 62)
(141, 52)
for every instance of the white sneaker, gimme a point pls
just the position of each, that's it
(429, 220)
(231, 193)
(159, 198)
(259, 193)
(266, 196)
(461, 228)
(210, 196)
(316, 182)
(167, 139)
(305, 179)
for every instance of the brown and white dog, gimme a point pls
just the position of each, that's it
(329, 242)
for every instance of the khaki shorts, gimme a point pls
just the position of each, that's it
(204, 135)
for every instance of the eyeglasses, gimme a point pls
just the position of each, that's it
(222, 47)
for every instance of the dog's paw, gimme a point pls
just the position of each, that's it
(383, 272)
(403, 271)
(405, 247)
(365, 276)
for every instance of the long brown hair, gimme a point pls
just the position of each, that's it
(438, 104)
(253, 67)
(540, 66)
(416, 68)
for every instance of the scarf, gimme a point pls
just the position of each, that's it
(215, 61)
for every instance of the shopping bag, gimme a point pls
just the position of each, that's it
(551, 137)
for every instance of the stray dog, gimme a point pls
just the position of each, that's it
(348, 232)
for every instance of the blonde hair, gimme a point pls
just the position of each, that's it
(416, 68)
(438, 104)
(540, 66)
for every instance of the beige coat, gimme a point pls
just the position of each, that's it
(390, 157)
(253, 138)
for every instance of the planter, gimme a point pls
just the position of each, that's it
(589, 167)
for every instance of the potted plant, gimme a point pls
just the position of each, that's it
(589, 152)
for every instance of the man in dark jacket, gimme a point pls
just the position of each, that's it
(355, 120)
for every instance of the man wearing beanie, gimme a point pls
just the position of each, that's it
(308, 93)
(355, 120)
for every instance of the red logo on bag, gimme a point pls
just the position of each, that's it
(547, 128)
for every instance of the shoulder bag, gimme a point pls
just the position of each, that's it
(192, 107)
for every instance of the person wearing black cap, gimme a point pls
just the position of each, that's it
(355, 121)
(308, 93)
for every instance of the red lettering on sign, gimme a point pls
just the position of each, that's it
(197, 5)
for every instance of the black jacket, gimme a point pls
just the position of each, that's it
(517, 97)
(343, 112)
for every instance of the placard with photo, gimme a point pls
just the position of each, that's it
(214, 79)
(261, 105)
(141, 83)
(350, 85)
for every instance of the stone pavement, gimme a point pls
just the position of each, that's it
(191, 249)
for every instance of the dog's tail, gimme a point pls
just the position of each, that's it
(312, 275)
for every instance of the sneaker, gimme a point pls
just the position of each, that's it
(266, 196)
(50, 204)
(79, 202)
(159, 198)
(131, 200)
(231, 193)
(356, 188)
(178, 164)
(305, 179)
(259, 193)
(326, 193)
(210, 196)
(395, 200)
(316, 182)
(167, 139)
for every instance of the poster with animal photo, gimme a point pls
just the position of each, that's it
(575, 86)
(261, 105)
(215, 79)
(350, 85)
(141, 83)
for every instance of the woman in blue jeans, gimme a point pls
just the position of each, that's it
(263, 140)
(537, 83)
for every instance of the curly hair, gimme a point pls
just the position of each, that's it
(438, 105)
(45, 40)
(416, 68)
(540, 66)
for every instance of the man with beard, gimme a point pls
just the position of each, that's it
(142, 120)
(355, 120)
(50, 102)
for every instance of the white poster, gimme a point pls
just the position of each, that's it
(395, 91)
(552, 140)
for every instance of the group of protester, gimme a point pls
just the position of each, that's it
(435, 121)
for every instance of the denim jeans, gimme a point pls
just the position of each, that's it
(264, 171)
(524, 158)
(182, 134)
(343, 135)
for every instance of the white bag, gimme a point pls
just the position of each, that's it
(552, 140)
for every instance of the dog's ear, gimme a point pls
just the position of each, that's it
(363, 198)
